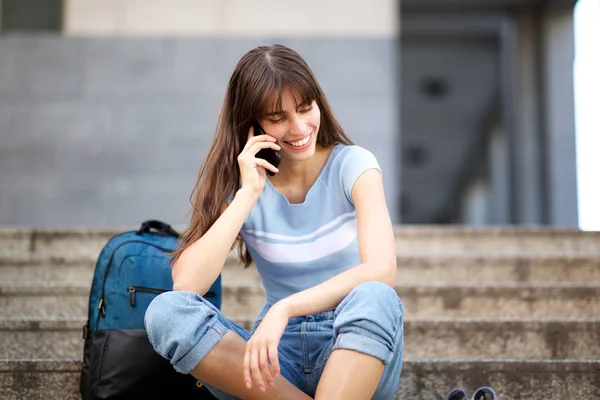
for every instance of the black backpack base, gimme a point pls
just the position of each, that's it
(146, 375)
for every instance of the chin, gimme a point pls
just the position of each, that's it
(303, 156)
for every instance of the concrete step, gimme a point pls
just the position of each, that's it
(424, 338)
(411, 269)
(81, 269)
(420, 379)
(421, 240)
(41, 299)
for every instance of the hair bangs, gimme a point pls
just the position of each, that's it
(300, 85)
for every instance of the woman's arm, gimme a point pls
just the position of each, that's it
(202, 262)
(376, 246)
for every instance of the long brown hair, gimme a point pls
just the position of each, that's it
(259, 75)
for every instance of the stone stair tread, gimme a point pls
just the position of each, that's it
(422, 379)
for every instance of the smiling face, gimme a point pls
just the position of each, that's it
(295, 125)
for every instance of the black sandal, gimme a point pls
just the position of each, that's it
(456, 394)
(485, 393)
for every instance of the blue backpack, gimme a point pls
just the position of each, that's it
(118, 360)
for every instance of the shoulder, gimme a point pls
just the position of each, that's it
(344, 156)
(349, 151)
(354, 157)
(350, 162)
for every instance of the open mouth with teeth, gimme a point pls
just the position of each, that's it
(300, 143)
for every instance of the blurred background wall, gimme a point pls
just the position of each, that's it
(107, 107)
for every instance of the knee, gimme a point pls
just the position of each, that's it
(376, 297)
(171, 318)
(161, 315)
(374, 302)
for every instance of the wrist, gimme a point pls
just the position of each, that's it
(283, 307)
(249, 196)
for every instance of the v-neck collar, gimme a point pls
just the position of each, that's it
(329, 158)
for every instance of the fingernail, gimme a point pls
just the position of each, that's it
(262, 388)
(248, 384)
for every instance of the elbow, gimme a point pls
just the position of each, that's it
(180, 283)
(389, 274)
(186, 283)
(386, 272)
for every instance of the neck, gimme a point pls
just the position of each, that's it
(301, 173)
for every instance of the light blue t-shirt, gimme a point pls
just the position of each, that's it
(297, 246)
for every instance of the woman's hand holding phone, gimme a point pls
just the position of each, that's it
(253, 169)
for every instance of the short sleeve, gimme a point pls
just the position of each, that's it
(229, 198)
(355, 162)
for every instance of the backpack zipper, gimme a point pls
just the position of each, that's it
(133, 289)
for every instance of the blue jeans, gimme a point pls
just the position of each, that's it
(183, 327)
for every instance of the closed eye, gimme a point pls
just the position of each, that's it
(275, 116)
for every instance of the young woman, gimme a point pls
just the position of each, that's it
(319, 233)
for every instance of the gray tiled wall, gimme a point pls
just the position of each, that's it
(111, 131)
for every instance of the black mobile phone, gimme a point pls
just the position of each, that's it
(272, 156)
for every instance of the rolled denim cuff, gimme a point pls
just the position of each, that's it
(197, 353)
(365, 345)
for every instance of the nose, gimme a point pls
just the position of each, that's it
(297, 125)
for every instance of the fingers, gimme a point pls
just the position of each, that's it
(250, 152)
(274, 358)
(252, 373)
(252, 149)
(267, 165)
(249, 157)
(256, 147)
(265, 367)
(247, 375)
(257, 369)
(257, 139)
